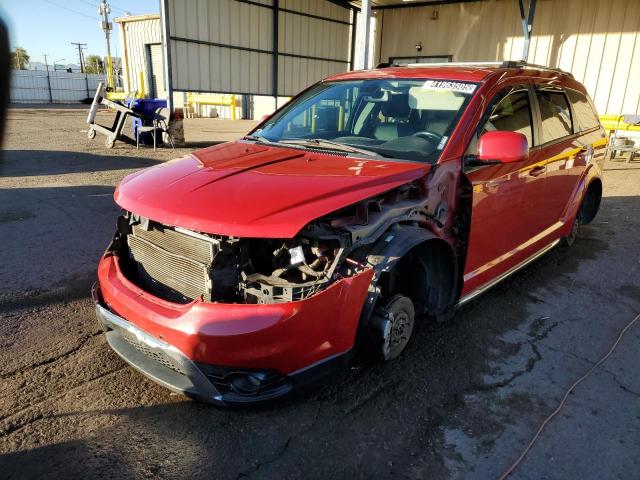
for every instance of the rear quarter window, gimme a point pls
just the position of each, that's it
(586, 117)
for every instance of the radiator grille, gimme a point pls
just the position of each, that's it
(170, 263)
(176, 242)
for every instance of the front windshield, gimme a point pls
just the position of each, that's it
(395, 119)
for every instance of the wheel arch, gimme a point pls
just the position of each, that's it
(591, 200)
(414, 262)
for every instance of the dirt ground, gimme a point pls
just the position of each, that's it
(461, 402)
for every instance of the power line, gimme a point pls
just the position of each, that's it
(128, 12)
(70, 10)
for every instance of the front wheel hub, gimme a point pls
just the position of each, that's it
(391, 327)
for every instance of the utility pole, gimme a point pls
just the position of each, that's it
(80, 47)
(46, 66)
(107, 26)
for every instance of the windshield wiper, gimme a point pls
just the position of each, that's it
(329, 144)
(257, 138)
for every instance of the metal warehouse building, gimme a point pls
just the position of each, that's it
(275, 48)
(597, 41)
(143, 59)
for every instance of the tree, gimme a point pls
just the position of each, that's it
(19, 59)
(93, 64)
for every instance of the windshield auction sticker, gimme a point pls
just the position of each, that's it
(450, 86)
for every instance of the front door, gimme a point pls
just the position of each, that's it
(504, 216)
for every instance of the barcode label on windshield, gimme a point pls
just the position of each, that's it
(450, 86)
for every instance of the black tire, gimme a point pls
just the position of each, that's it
(390, 328)
(570, 239)
(91, 134)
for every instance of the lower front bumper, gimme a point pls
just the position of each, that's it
(166, 365)
(161, 362)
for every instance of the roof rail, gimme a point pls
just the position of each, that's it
(523, 64)
(505, 64)
(456, 64)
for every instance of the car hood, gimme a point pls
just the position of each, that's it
(252, 190)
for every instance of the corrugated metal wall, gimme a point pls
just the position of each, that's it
(306, 36)
(214, 68)
(227, 45)
(32, 86)
(135, 35)
(596, 41)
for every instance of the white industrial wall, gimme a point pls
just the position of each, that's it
(598, 41)
(134, 34)
(32, 86)
(227, 45)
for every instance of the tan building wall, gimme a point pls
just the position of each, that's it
(135, 33)
(598, 41)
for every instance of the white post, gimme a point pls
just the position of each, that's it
(361, 53)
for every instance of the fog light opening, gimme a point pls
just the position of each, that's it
(245, 383)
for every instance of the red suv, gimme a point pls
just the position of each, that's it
(374, 198)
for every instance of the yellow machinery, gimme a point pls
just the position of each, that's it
(195, 100)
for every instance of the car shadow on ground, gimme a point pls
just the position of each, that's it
(24, 163)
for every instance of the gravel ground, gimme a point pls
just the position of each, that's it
(461, 402)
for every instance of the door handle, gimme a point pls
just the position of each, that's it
(536, 171)
(585, 153)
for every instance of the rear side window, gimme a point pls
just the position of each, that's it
(512, 114)
(554, 114)
(585, 113)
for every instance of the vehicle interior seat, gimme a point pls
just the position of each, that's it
(438, 121)
(399, 121)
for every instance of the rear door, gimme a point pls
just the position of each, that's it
(155, 64)
(504, 217)
(561, 150)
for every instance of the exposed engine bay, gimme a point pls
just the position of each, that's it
(180, 265)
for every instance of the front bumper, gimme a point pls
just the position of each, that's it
(161, 362)
(192, 348)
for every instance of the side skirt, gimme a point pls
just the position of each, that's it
(506, 274)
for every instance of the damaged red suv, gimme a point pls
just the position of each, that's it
(371, 202)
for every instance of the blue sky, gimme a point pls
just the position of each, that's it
(49, 26)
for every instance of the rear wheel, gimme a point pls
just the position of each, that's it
(575, 229)
(390, 327)
(586, 213)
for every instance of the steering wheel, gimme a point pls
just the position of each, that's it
(427, 135)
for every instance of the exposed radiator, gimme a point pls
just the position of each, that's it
(172, 264)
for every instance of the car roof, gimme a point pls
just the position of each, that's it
(471, 72)
(467, 74)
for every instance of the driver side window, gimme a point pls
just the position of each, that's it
(512, 114)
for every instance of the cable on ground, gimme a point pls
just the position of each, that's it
(519, 460)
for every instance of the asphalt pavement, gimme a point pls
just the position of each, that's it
(461, 402)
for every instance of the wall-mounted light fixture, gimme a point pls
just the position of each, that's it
(419, 46)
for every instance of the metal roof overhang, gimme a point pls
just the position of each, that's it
(388, 4)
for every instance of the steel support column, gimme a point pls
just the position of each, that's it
(166, 43)
(362, 36)
(276, 48)
(527, 25)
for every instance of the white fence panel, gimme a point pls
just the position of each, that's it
(35, 86)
